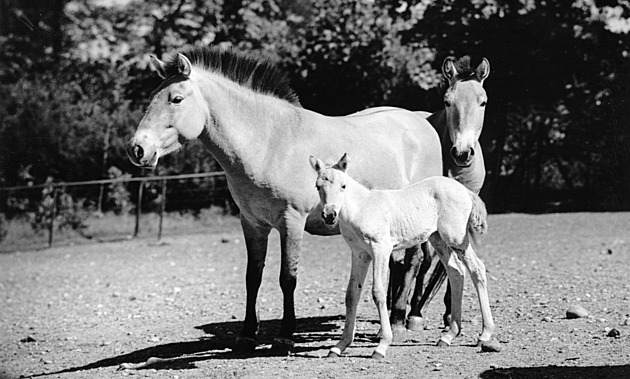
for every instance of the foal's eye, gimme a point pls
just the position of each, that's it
(343, 186)
(177, 99)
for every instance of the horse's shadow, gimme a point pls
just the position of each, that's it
(218, 343)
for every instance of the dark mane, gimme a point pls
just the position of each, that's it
(253, 72)
(466, 66)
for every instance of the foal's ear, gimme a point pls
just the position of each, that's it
(483, 70)
(342, 165)
(448, 68)
(316, 163)
(183, 65)
(158, 66)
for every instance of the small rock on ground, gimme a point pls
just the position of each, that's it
(576, 311)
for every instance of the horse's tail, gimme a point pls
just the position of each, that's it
(478, 220)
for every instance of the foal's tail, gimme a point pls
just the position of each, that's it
(478, 220)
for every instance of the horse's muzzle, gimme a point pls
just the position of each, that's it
(330, 218)
(139, 157)
(462, 158)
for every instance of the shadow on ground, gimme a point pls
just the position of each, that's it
(558, 372)
(218, 344)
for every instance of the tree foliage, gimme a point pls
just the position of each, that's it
(76, 79)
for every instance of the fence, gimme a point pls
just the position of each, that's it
(57, 188)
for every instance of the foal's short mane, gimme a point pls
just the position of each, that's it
(256, 73)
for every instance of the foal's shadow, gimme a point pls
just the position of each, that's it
(218, 343)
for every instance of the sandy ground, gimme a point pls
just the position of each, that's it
(82, 311)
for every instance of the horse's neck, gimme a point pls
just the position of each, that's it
(243, 123)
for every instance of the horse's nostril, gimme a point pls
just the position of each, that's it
(138, 151)
(472, 152)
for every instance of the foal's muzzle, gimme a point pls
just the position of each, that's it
(462, 158)
(330, 218)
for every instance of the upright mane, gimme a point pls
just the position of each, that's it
(253, 72)
(466, 66)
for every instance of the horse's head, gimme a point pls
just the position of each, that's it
(176, 113)
(331, 185)
(465, 105)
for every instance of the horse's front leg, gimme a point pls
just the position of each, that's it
(360, 263)
(256, 237)
(291, 234)
(381, 253)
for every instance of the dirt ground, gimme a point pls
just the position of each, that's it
(82, 311)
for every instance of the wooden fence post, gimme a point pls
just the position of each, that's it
(53, 214)
(138, 208)
(162, 208)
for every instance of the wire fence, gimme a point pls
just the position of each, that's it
(49, 208)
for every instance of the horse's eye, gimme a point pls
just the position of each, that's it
(343, 186)
(177, 99)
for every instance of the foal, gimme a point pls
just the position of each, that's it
(375, 222)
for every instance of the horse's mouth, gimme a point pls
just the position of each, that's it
(460, 163)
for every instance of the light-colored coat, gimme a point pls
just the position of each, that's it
(376, 222)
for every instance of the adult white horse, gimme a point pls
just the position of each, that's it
(374, 223)
(250, 120)
(459, 124)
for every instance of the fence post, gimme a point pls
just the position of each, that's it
(162, 207)
(53, 214)
(138, 208)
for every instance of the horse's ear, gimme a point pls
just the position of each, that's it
(158, 66)
(316, 163)
(483, 70)
(183, 65)
(448, 68)
(342, 165)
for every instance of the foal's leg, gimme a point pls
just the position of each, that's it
(455, 271)
(478, 275)
(381, 253)
(256, 237)
(360, 263)
(291, 234)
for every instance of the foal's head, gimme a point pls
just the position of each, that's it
(331, 186)
(177, 113)
(465, 104)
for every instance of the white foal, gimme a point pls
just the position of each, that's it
(376, 222)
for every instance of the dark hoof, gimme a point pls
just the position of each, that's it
(245, 345)
(332, 354)
(415, 323)
(377, 355)
(441, 343)
(492, 346)
(282, 345)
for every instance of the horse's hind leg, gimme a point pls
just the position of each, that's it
(455, 271)
(399, 308)
(478, 275)
(360, 264)
(256, 238)
(422, 295)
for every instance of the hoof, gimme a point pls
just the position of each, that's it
(377, 355)
(334, 353)
(491, 346)
(245, 345)
(282, 345)
(399, 335)
(441, 343)
(415, 323)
